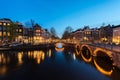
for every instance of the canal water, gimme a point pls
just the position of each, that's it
(51, 64)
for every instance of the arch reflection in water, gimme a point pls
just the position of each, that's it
(103, 61)
(86, 54)
(77, 46)
(59, 47)
(102, 70)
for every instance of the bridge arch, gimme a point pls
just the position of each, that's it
(77, 49)
(59, 46)
(105, 57)
(109, 53)
(86, 53)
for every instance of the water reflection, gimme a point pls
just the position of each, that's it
(11, 57)
(50, 63)
(4, 59)
(103, 71)
(37, 55)
(74, 56)
(19, 56)
(49, 53)
(102, 62)
(3, 70)
(86, 54)
(59, 47)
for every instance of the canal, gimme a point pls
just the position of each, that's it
(59, 63)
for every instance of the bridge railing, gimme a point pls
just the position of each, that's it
(107, 46)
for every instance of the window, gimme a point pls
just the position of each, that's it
(4, 24)
(4, 33)
(37, 31)
(20, 30)
(0, 23)
(8, 24)
(0, 33)
(8, 33)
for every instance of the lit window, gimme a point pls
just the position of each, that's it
(4, 33)
(8, 24)
(8, 33)
(4, 24)
(0, 23)
(37, 31)
(0, 33)
(20, 30)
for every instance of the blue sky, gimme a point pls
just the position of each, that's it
(62, 13)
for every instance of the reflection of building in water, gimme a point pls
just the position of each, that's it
(20, 55)
(37, 55)
(4, 59)
(49, 53)
(74, 56)
(3, 70)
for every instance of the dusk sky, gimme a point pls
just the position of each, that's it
(62, 13)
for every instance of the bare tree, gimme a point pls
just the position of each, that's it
(67, 32)
(53, 33)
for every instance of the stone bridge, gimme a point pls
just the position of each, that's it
(89, 52)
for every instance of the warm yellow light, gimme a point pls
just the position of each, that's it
(86, 60)
(4, 24)
(103, 50)
(0, 33)
(0, 58)
(102, 70)
(37, 31)
(59, 49)
(20, 30)
(116, 39)
(40, 55)
(78, 52)
(4, 33)
(8, 24)
(20, 55)
(0, 23)
(8, 33)
(3, 70)
(74, 57)
(49, 53)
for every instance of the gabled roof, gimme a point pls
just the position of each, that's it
(5, 20)
(117, 26)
